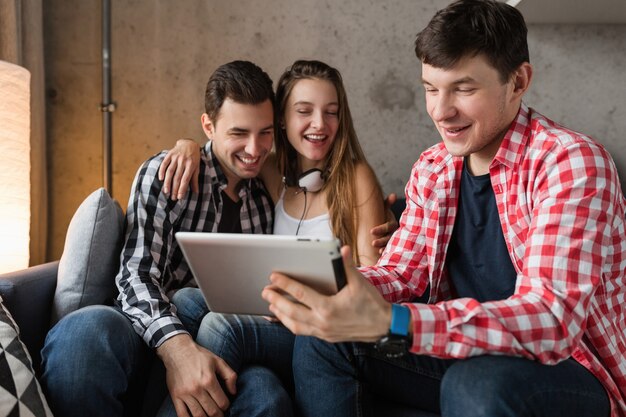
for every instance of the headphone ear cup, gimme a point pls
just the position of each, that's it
(311, 180)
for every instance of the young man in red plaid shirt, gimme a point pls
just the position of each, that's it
(515, 226)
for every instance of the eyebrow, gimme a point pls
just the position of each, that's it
(242, 130)
(308, 103)
(464, 80)
(238, 130)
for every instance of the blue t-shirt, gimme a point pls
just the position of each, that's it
(478, 262)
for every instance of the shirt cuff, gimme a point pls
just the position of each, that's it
(430, 330)
(162, 329)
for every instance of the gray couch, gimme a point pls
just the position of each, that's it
(30, 294)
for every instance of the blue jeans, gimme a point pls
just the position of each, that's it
(340, 380)
(257, 350)
(243, 340)
(94, 364)
(190, 308)
(259, 393)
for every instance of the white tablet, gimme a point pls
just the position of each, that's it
(232, 269)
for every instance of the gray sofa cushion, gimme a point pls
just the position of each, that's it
(90, 257)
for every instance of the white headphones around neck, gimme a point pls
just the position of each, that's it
(310, 181)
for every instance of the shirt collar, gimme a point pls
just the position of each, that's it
(515, 140)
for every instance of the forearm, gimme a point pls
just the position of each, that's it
(144, 262)
(519, 326)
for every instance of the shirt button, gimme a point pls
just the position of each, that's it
(429, 347)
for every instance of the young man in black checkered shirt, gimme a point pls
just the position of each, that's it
(93, 358)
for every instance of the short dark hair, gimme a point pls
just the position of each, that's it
(473, 27)
(242, 82)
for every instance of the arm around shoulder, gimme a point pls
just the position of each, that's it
(180, 168)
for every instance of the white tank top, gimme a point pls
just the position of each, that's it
(284, 224)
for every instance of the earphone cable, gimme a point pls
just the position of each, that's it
(303, 213)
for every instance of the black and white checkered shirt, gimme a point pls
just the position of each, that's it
(152, 264)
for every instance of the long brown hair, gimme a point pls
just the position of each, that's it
(342, 159)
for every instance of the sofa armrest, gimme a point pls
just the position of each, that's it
(28, 295)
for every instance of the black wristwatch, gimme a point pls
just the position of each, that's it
(398, 341)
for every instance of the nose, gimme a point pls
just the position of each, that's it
(254, 146)
(443, 107)
(317, 120)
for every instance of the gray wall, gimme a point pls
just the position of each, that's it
(164, 52)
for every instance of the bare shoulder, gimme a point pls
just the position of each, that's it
(364, 169)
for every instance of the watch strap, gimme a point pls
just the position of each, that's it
(400, 319)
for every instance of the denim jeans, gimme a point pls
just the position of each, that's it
(341, 379)
(190, 308)
(243, 340)
(259, 352)
(259, 393)
(94, 364)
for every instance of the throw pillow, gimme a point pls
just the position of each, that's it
(20, 393)
(91, 255)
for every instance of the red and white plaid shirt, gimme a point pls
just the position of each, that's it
(562, 213)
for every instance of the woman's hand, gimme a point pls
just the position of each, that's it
(180, 167)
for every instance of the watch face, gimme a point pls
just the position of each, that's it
(392, 346)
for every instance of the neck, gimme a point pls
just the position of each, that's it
(232, 189)
(479, 162)
(307, 164)
(477, 167)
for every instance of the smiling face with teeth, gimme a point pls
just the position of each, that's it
(472, 108)
(311, 121)
(242, 136)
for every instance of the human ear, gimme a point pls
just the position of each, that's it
(522, 78)
(207, 125)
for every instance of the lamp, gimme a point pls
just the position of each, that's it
(14, 167)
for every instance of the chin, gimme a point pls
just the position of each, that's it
(317, 156)
(455, 150)
(249, 175)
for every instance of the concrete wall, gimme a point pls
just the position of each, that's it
(164, 51)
